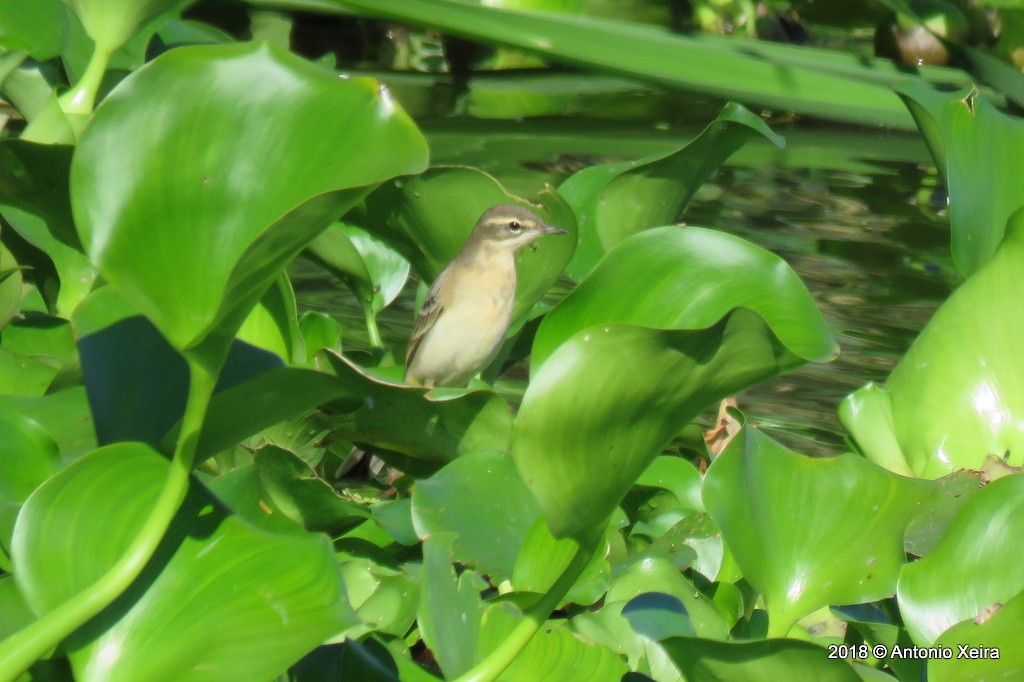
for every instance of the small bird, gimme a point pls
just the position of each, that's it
(469, 308)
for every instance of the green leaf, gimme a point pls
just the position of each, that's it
(14, 612)
(28, 456)
(703, 660)
(591, 422)
(640, 282)
(976, 148)
(971, 569)
(112, 23)
(658, 615)
(37, 27)
(956, 396)
(658, 574)
(808, 532)
(999, 631)
(319, 331)
(282, 591)
(542, 558)
(429, 218)
(554, 653)
(385, 598)
(138, 383)
(373, 270)
(450, 608)
(367, 661)
(789, 78)
(64, 415)
(481, 500)
(607, 198)
(294, 488)
(10, 287)
(144, 195)
(412, 421)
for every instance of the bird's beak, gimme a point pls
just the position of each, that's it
(547, 229)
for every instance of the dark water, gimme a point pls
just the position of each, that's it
(856, 212)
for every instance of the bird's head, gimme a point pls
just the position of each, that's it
(508, 226)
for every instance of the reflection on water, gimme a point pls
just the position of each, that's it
(845, 208)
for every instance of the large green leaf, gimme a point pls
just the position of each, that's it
(957, 396)
(450, 607)
(972, 569)
(28, 456)
(64, 415)
(480, 499)
(555, 653)
(429, 217)
(265, 599)
(182, 212)
(704, 660)
(817, 82)
(642, 282)
(808, 532)
(977, 149)
(111, 23)
(414, 422)
(994, 641)
(595, 415)
(37, 27)
(614, 201)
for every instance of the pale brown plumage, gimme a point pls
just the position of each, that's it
(469, 307)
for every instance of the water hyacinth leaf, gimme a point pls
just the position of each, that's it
(35, 178)
(294, 488)
(28, 456)
(368, 660)
(319, 331)
(145, 195)
(273, 324)
(76, 526)
(10, 287)
(605, 196)
(658, 574)
(704, 660)
(815, 82)
(112, 23)
(555, 653)
(810, 532)
(450, 608)
(975, 146)
(37, 28)
(971, 568)
(65, 415)
(429, 218)
(640, 282)
(996, 629)
(676, 475)
(14, 612)
(261, 402)
(735, 316)
(136, 381)
(658, 615)
(385, 598)
(373, 270)
(413, 422)
(607, 626)
(481, 500)
(957, 396)
(542, 558)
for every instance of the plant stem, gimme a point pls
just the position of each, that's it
(371, 326)
(501, 658)
(82, 98)
(23, 648)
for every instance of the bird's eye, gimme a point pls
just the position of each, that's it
(513, 226)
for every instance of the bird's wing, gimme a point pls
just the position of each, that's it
(429, 313)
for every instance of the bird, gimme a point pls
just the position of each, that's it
(465, 315)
